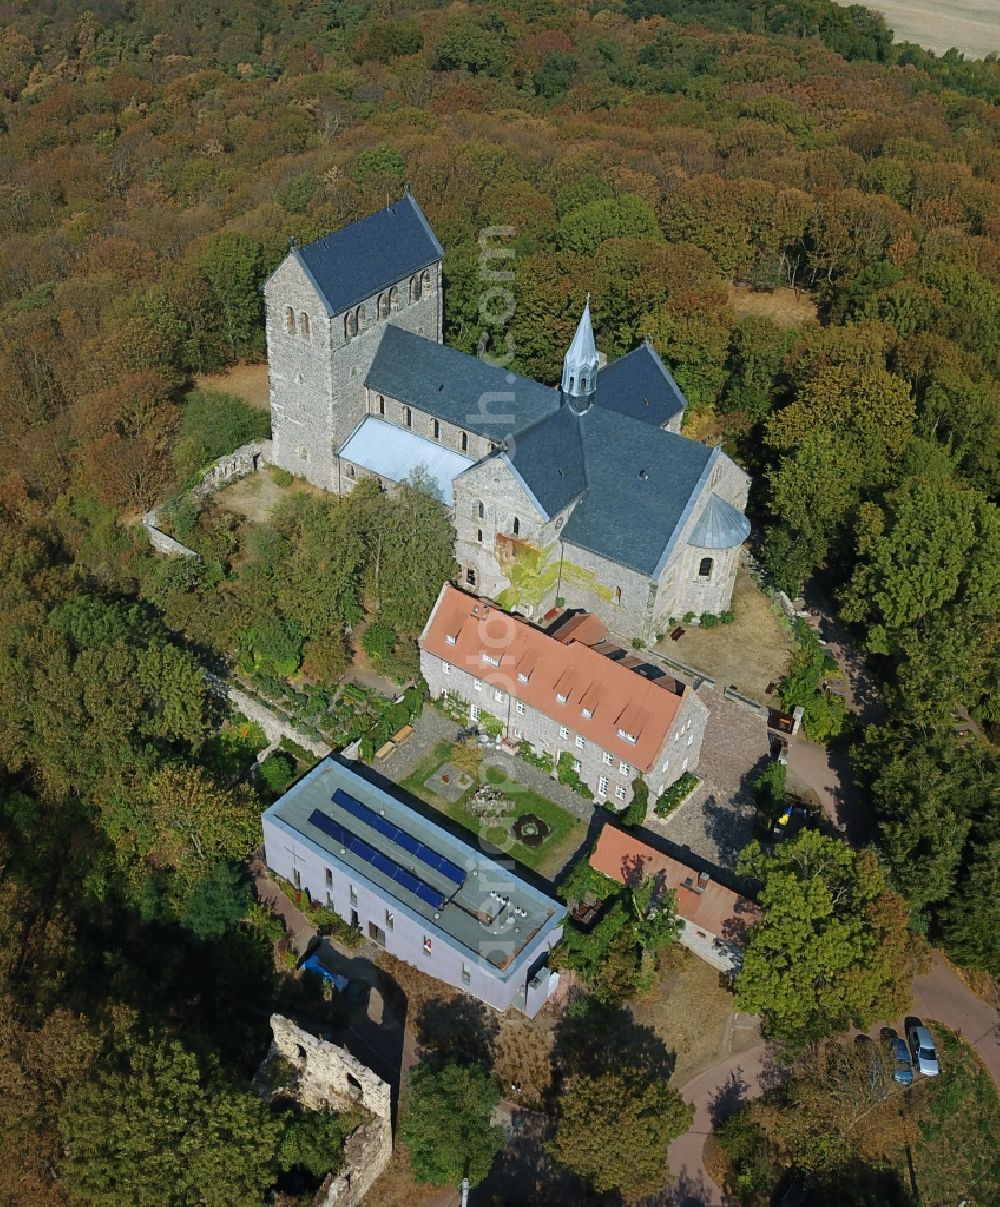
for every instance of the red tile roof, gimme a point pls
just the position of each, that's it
(716, 909)
(466, 632)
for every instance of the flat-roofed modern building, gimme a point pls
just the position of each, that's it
(411, 887)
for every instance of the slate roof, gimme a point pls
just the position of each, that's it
(456, 387)
(641, 386)
(640, 483)
(368, 256)
(549, 458)
(720, 526)
(394, 453)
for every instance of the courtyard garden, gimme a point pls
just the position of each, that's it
(474, 790)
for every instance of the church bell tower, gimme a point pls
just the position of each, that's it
(580, 365)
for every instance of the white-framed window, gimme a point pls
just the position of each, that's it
(563, 731)
(491, 659)
(577, 766)
(522, 677)
(519, 707)
(690, 738)
(477, 685)
(498, 696)
(451, 638)
(466, 974)
(666, 766)
(297, 877)
(329, 877)
(445, 668)
(580, 743)
(561, 698)
(389, 919)
(684, 765)
(354, 895)
(475, 712)
(629, 737)
(602, 786)
(427, 945)
(619, 792)
(608, 760)
(518, 733)
(587, 712)
(623, 768)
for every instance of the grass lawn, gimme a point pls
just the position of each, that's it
(566, 832)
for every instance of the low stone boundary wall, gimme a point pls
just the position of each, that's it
(247, 459)
(275, 727)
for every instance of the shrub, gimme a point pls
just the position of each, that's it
(678, 791)
(567, 774)
(638, 643)
(281, 477)
(217, 424)
(490, 725)
(769, 792)
(688, 617)
(277, 771)
(367, 749)
(378, 641)
(708, 620)
(639, 806)
(541, 759)
(727, 617)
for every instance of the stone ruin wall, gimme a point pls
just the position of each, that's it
(247, 459)
(326, 1077)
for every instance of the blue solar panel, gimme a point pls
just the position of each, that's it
(378, 860)
(382, 826)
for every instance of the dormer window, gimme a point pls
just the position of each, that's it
(629, 737)
(522, 677)
(491, 660)
(451, 638)
(588, 712)
(561, 698)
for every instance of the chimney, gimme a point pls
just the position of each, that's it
(703, 879)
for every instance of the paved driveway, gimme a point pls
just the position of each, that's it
(716, 822)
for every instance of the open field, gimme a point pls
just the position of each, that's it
(783, 306)
(749, 654)
(971, 26)
(246, 381)
(255, 496)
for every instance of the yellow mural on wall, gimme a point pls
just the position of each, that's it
(533, 573)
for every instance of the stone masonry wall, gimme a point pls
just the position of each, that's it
(325, 1077)
(317, 380)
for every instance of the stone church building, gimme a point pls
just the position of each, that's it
(584, 493)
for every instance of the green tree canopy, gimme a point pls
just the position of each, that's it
(446, 1127)
(831, 949)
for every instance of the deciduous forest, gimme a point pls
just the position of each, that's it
(687, 163)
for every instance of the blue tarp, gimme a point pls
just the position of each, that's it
(313, 964)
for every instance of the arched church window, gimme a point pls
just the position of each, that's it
(572, 381)
(393, 299)
(414, 289)
(383, 305)
(381, 404)
(517, 526)
(425, 279)
(465, 442)
(480, 509)
(705, 568)
(360, 315)
(583, 383)
(349, 327)
(289, 320)
(304, 325)
(437, 430)
(407, 417)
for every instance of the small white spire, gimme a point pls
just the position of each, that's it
(580, 364)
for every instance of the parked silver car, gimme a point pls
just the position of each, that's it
(925, 1055)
